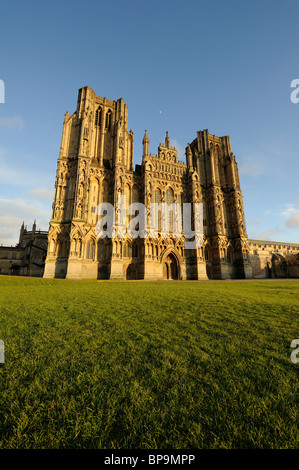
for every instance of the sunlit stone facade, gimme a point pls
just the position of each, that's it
(95, 165)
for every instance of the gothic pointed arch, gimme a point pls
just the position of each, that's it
(98, 116)
(171, 264)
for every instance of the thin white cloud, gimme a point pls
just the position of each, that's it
(15, 123)
(251, 169)
(284, 211)
(9, 229)
(16, 176)
(41, 193)
(12, 214)
(178, 147)
(253, 221)
(293, 221)
(11, 176)
(287, 210)
(268, 234)
(11, 206)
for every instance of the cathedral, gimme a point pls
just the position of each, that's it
(95, 165)
(95, 169)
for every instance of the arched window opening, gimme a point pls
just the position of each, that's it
(58, 248)
(125, 250)
(208, 253)
(98, 116)
(108, 120)
(105, 191)
(158, 201)
(169, 201)
(135, 194)
(90, 250)
(230, 255)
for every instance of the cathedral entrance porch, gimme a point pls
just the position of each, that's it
(170, 268)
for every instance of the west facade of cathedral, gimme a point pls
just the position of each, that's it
(95, 166)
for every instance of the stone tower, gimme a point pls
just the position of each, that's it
(211, 161)
(96, 149)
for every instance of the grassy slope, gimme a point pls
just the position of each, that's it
(148, 365)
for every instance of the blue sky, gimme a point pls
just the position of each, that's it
(180, 66)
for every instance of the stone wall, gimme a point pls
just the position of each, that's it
(27, 258)
(273, 259)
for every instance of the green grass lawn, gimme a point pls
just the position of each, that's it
(148, 364)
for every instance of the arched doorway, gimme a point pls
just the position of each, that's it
(131, 272)
(170, 267)
(15, 270)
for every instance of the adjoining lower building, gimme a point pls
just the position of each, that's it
(274, 259)
(28, 257)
